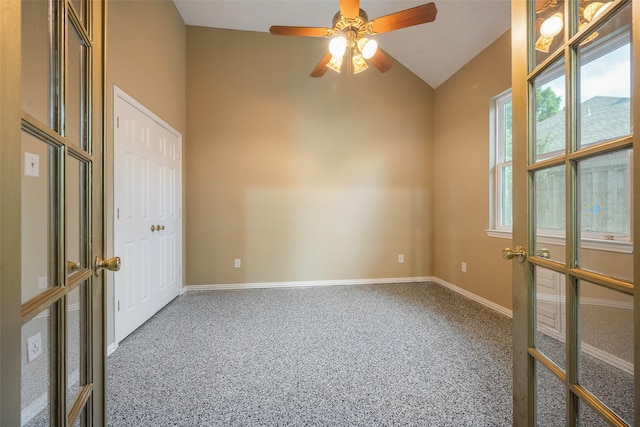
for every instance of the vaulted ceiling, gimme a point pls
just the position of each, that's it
(433, 51)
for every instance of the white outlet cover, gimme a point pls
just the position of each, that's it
(237, 263)
(31, 164)
(43, 282)
(401, 258)
(34, 347)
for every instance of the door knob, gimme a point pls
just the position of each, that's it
(112, 264)
(543, 253)
(518, 253)
(153, 228)
(72, 266)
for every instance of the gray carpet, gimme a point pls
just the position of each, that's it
(374, 355)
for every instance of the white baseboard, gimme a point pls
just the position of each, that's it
(111, 348)
(31, 411)
(490, 304)
(306, 283)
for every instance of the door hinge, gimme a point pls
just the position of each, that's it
(118, 305)
(118, 122)
(118, 213)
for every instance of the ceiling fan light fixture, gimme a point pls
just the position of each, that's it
(367, 47)
(359, 64)
(543, 44)
(337, 46)
(594, 10)
(335, 63)
(552, 25)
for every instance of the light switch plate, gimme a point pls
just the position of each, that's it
(31, 164)
(43, 282)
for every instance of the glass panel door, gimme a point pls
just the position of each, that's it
(52, 313)
(573, 116)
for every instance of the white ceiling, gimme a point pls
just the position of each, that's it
(433, 51)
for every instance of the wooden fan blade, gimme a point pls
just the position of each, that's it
(321, 68)
(299, 31)
(405, 18)
(350, 8)
(381, 61)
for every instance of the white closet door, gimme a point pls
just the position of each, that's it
(147, 220)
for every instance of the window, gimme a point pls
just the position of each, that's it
(501, 163)
(604, 182)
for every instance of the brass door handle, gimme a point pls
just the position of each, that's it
(518, 253)
(153, 228)
(157, 228)
(160, 227)
(543, 253)
(111, 264)
(72, 266)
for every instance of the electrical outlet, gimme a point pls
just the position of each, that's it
(463, 267)
(400, 258)
(237, 263)
(34, 347)
(43, 282)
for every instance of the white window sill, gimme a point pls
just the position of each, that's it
(501, 234)
(617, 246)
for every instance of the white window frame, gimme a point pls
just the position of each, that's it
(498, 148)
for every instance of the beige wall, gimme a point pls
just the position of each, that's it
(146, 44)
(301, 178)
(461, 177)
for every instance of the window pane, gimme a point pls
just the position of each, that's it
(605, 213)
(550, 398)
(37, 349)
(76, 342)
(588, 417)
(605, 82)
(606, 349)
(36, 59)
(550, 208)
(506, 197)
(76, 110)
(550, 133)
(77, 208)
(548, 32)
(506, 130)
(550, 315)
(39, 216)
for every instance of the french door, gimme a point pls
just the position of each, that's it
(53, 329)
(576, 220)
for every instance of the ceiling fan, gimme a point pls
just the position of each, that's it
(349, 32)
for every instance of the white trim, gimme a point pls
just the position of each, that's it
(600, 302)
(592, 351)
(183, 290)
(119, 93)
(111, 348)
(30, 411)
(617, 246)
(608, 358)
(268, 285)
(501, 234)
(307, 283)
(489, 304)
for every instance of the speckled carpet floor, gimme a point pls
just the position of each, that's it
(373, 355)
